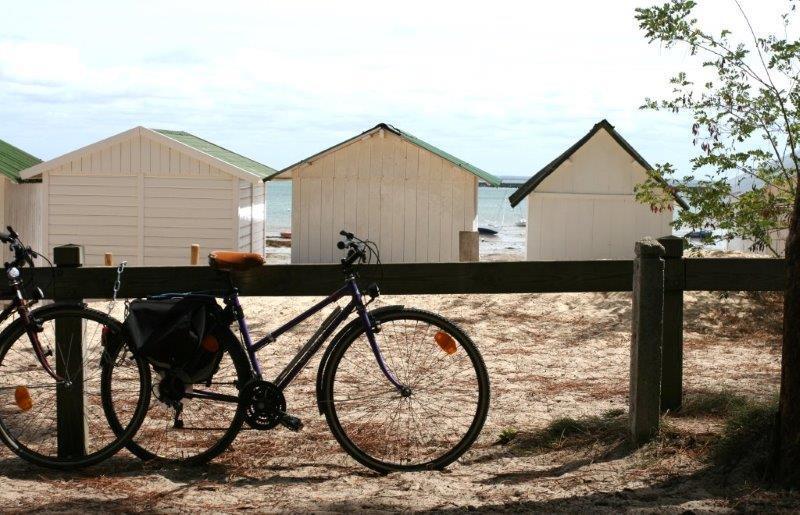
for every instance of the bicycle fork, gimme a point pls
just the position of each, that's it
(361, 309)
(31, 326)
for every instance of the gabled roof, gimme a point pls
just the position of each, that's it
(13, 160)
(532, 183)
(197, 148)
(223, 154)
(474, 170)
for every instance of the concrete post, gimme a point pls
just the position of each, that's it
(646, 340)
(468, 246)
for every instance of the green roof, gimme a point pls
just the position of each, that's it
(481, 174)
(223, 154)
(14, 160)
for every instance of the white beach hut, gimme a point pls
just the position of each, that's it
(406, 195)
(582, 204)
(146, 195)
(20, 201)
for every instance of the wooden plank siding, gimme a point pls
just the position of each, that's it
(181, 211)
(147, 202)
(586, 209)
(252, 226)
(245, 216)
(98, 212)
(259, 218)
(22, 210)
(409, 201)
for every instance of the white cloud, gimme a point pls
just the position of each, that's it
(507, 85)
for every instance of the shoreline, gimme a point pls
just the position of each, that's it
(508, 245)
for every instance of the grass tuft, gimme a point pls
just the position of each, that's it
(746, 440)
(610, 427)
(722, 403)
(507, 435)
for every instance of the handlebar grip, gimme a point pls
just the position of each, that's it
(5, 237)
(346, 234)
(12, 232)
(341, 245)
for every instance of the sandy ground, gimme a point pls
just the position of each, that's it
(549, 356)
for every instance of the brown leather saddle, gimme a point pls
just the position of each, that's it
(229, 260)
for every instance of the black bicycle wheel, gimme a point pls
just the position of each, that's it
(31, 399)
(188, 429)
(431, 427)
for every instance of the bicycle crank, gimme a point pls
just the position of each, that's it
(265, 406)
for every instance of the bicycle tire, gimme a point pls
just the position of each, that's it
(329, 403)
(19, 364)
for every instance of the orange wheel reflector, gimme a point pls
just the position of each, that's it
(445, 341)
(210, 343)
(23, 398)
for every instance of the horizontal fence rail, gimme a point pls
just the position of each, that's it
(658, 277)
(739, 274)
(412, 278)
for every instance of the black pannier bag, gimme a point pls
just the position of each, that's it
(177, 334)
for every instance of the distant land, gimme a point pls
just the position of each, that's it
(508, 181)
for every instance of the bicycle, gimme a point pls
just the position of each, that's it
(400, 388)
(35, 387)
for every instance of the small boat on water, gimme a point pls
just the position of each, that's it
(487, 231)
(699, 234)
(287, 235)
(522, 222)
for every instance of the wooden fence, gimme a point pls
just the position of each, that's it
(660, 274)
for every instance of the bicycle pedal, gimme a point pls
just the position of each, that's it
(291, 423)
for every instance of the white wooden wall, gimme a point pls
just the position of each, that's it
(22, 210)
(586, 208)
(252, 226)
(778, 243)
(142, 200)
(411, 202)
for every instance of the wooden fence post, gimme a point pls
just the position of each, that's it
(70, 399)
(194, 254)
(672, 350)
(646, 340)
(468, 246)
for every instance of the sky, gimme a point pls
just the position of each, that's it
(506, 86)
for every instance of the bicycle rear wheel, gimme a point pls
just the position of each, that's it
(181, 426)
(29, 397)
(428, 429)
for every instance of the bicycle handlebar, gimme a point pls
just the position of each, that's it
(22, 255)
(356, 251)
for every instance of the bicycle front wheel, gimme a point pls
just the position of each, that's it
(61, 425)
(428, 429)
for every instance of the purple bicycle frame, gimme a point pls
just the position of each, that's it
(300, 360)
